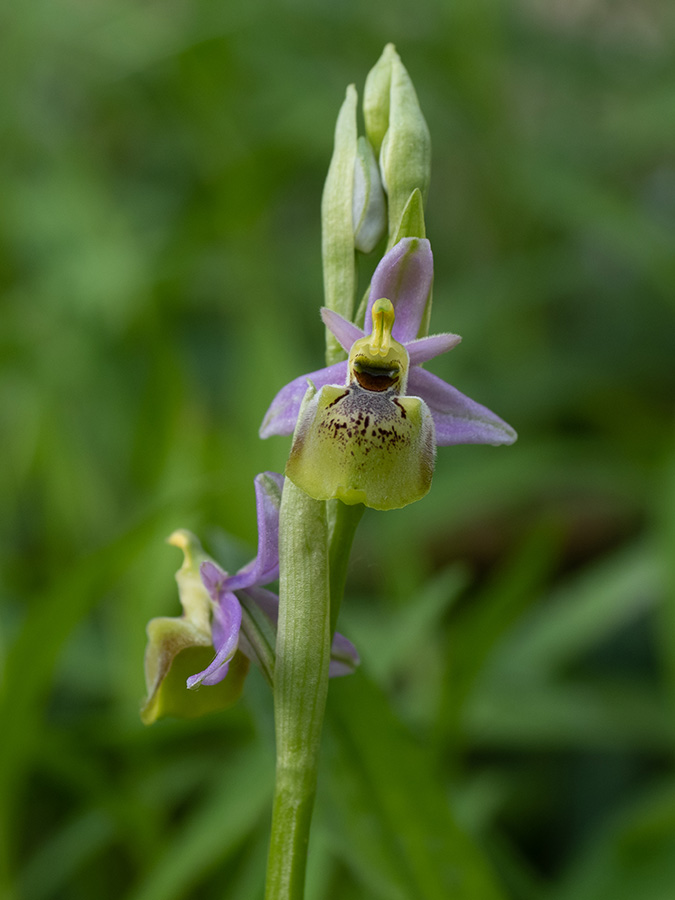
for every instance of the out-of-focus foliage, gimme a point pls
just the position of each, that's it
(162, 167)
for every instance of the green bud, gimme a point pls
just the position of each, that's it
(368, 204)
(178, 647)
(337, 225)
(376, 97)
(395, 124)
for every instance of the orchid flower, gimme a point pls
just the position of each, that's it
(368, 398)
(233, 615)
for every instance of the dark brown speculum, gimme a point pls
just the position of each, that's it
(375, 378)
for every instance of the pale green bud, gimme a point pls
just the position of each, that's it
(395, 124)
(337, 223)
(368, 204)
(376, 98)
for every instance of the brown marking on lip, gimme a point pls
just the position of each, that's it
(401, 407)
(371, 380)
(337, 399)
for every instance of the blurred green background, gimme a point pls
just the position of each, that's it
(511, 731)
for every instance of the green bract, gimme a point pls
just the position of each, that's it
(365, 442)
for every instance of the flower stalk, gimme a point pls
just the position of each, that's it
(300, 685)
(343, 521)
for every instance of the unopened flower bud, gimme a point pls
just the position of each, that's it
(376, 98)
(337, 225)
(368, 203)
(405, 146)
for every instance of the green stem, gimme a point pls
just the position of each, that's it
(345, 520)
(300, 685)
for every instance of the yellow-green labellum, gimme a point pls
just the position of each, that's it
(181, 645)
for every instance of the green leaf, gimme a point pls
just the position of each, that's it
(393, 823)
(584, 611)
(64, 852)
(231, 810)
(634, 856)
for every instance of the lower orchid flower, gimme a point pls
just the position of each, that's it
(233, 615)
(368, 435)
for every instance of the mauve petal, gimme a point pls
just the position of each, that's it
(426, 348)
(404, 276)
(265, 567)
(225, 631)
(268, 602)
(282, 415)
(344, 657)
(226, 623)
(458, 419)
(214, 579)
(344, 330)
